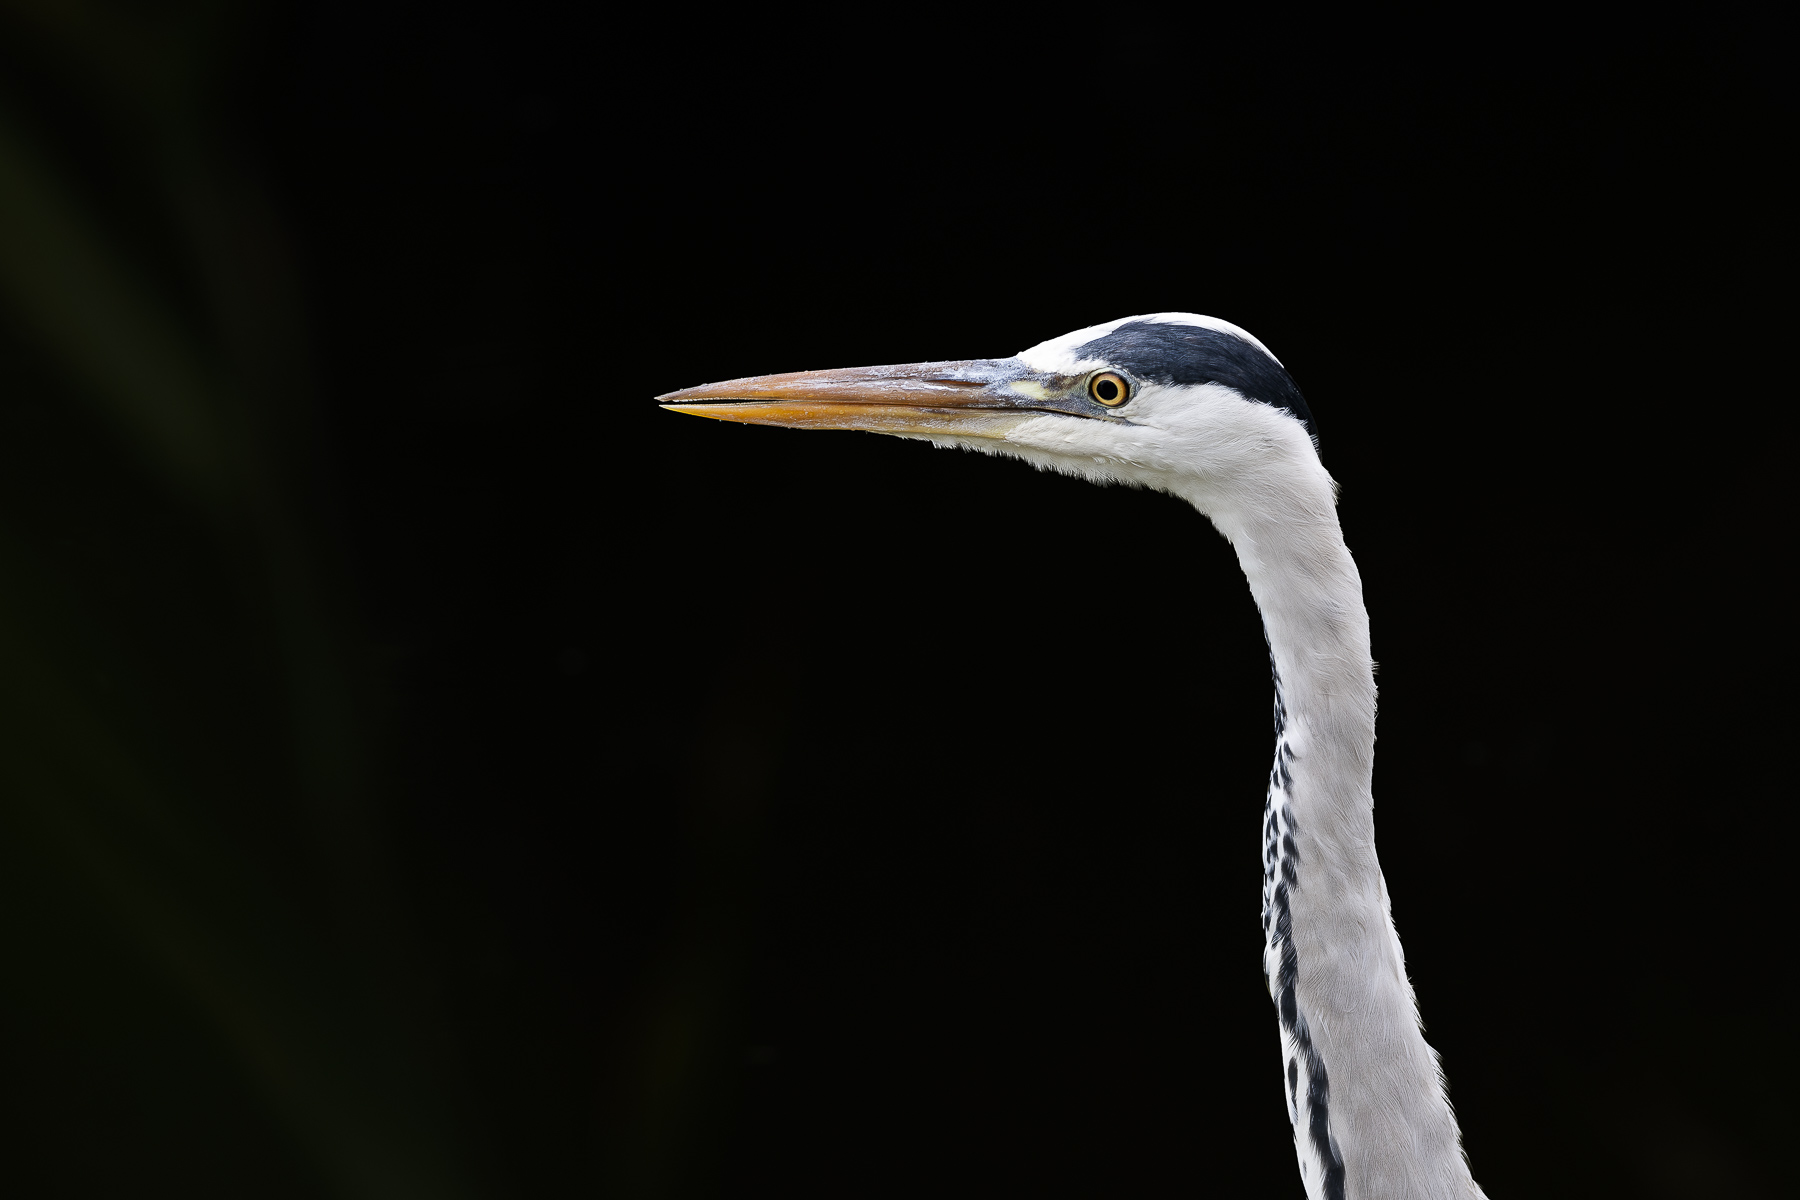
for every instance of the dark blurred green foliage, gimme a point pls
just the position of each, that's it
(208, 989)
(683, 1047)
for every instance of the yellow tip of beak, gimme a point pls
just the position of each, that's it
(700, 410)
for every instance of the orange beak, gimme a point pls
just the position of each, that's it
(969, 398)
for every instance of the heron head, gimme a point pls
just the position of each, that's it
(1174, 401)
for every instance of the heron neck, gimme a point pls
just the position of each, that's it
(1363, 1088)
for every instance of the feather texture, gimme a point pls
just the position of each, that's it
(1363, 1088)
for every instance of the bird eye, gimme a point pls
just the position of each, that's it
(1109, 389)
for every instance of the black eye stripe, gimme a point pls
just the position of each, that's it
(1190, 354)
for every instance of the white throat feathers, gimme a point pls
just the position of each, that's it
(1198, 408)
(1364, 1091)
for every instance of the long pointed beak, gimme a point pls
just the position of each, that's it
(969, 398)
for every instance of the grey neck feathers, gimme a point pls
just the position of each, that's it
(1364, 1091)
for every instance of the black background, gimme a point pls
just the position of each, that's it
(788, 815)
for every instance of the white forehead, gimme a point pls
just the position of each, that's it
(1058, 354)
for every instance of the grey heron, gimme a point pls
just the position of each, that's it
(1198, 408)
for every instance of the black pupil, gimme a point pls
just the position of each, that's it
(1107, 390)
